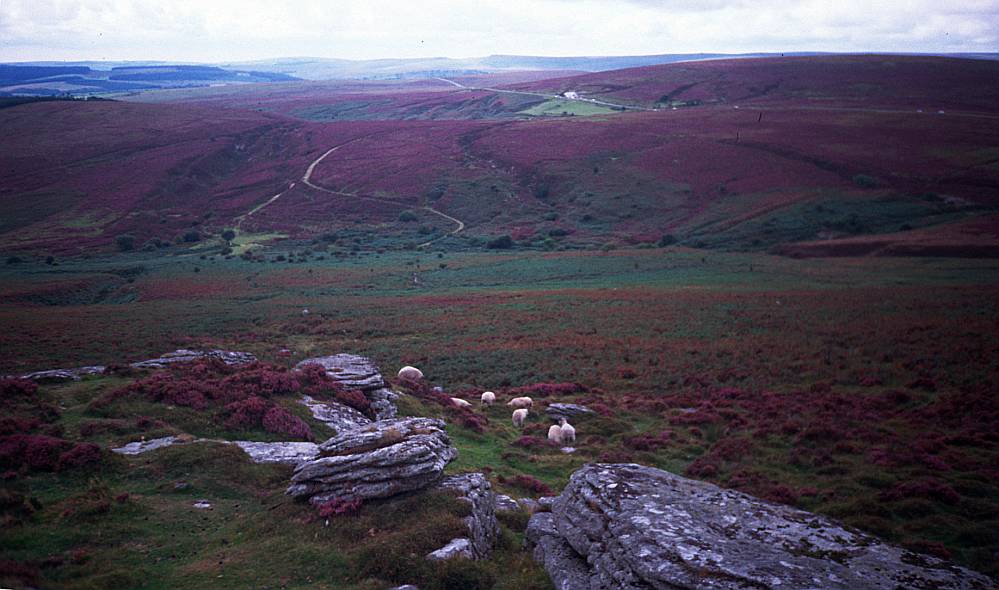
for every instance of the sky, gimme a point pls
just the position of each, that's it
(239, 30)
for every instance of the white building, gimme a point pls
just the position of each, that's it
(571, 95)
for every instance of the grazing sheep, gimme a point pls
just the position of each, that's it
(521, 402)
(555, 434)
(568, 432)
(488, 398)
(410, 373)
(460, 402)
(519, 416)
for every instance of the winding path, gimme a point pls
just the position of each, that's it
(307, 180)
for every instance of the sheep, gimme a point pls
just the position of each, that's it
(555, 434)
(521, 402)
(519, 416)
(488, 398)
(410, 373)
(460, 402)
(568, 432)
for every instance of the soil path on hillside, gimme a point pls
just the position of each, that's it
(307, 180)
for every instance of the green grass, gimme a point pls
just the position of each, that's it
(557, 107)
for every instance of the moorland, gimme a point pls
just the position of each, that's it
(779, 275)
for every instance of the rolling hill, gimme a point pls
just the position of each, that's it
(828, 155)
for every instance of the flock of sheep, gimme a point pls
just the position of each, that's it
(560, 433)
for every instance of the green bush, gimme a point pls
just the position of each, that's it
(407, 216)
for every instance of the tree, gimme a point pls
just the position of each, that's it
(192, 236)
(228, 235)
(125, 242)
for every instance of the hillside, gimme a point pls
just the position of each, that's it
(798, 163)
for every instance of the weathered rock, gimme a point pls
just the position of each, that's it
(186, 356)
(358, 372)
(633, 527)
(291, 453)
(351, 370)
(383, 403)
(483, 528)
(139, 447)
(529, 505)
(567, 569)
(379, 460)
(337, 416)
(567, 411)
(460, 547)
(546, 502)
(60, 375)
(505, 503)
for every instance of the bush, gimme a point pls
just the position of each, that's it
(228, 235)
(125, 242)
(667, 240)
(865, 181)
(192, 236)
(17, 388)
(280, 421)
(338, 507)
(504, 242)
(80, 455)
(39, 453)
(407, 216)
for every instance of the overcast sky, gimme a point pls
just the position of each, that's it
(231, 30)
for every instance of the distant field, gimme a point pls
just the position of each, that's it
(557, 108)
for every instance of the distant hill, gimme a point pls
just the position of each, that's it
(76, 80)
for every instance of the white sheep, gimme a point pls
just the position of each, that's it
(488, 398)
(519, 416)
(568, 432)
(521, 402)
(555, 434)
(410, 373)
(460, 402)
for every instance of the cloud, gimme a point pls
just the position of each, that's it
(223, 30)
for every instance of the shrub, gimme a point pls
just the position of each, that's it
(504, 242)
(530, 442)
(528, 483)
(80, 455)
(930, 488)
(125, 242)
(667, 240)
(865, 181)
(17, 388)
(280, 421)
(407, 216)
(339, 507)
(355, 399)
(546, 389)
(192, 236)
(246, 414)
(40, 453)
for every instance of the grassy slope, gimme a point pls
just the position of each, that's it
(649, 332)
